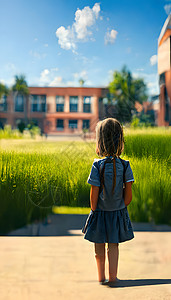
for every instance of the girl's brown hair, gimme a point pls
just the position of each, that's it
(109, 142)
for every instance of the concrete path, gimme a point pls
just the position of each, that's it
(63, 266)
(63, 225)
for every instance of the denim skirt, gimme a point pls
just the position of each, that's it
(108, 226)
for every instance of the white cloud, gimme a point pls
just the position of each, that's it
(141, 69)
(48, 77)
(44, 79)
(110, 75)
(72, 83)
(85, 18)
(80, 29)
(54, 69)
(10, 67)
(96, 9)
(57, 81)
(46, 45)
(65, 38)
(128, 50)
(2, 81)
(83, 74)
(110, 36)
(77, 76)
(45, 72)
(167, 8)
(153, 60)
(151, 81)
(37, 55)
(76, 83)
(9, 82)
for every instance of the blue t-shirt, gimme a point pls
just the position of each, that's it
(108, 200)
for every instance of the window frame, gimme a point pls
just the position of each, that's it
(88, 122)
(60, 104)
(39, 102)
(3, 103)
(87, 104)
(59, 128)
(18, 96)
(73, 104)
(74, 126)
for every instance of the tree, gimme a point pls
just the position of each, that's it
(21, 126)
(3, 90)
(81, 81)
(20, 87)
(125, 91)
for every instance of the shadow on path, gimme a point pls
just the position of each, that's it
(71, 224)
(138, 282)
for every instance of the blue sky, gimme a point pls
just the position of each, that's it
(57, 42)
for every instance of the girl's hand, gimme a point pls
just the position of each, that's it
(94, 194)
(128, 193)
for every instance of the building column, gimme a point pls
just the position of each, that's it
(51, 105)
(80, 104)
(95, 113)
(66, 107)
(66, 125)
(95, 108)
(80, 124)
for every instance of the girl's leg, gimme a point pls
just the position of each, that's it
(100, 259)
(113, 255)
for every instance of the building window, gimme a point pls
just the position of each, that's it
(72, 123)
(38, 103)
(87, 104)
(60, 124)
(162, 79)
(60, 100)
(73, 104)
(3, 103)
(19, 103)
(166, 98)
(86, 124)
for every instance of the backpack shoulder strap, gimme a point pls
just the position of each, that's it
(100, 168)
(125, 167)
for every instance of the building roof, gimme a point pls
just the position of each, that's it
(167, 25)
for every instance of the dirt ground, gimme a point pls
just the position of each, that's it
(63, 267)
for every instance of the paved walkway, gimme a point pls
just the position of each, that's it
(66, 224)
(63, 266)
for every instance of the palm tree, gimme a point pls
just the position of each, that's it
(81, 81)
(20, 87)
(125, 91)
(3, 90)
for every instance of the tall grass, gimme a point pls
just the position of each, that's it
(155, 146)
(38, 176)
(8, 133)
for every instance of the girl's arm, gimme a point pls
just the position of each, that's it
(94, 193)
(128, 193)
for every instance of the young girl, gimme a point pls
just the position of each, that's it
(108, 221)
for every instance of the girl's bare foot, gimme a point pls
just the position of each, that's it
(113, 282)
(104, 282)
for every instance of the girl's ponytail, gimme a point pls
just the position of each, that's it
(114, 173)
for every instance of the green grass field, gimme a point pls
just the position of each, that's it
(38, 177)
